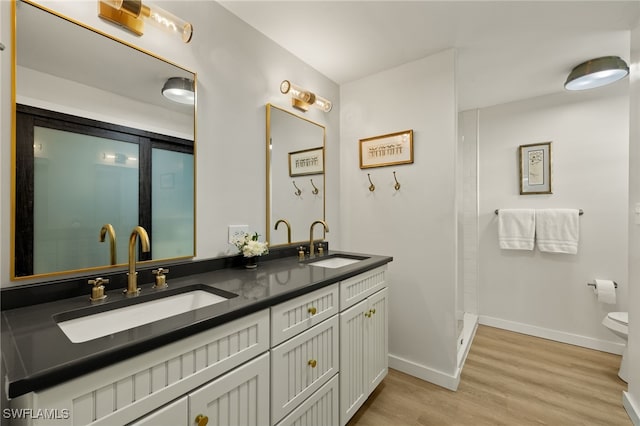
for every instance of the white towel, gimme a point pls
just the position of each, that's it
(516, 229)
(558, 230)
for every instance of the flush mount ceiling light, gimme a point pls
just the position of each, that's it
(179, 89)
(132, 14)
(597, 72)
(303, 99)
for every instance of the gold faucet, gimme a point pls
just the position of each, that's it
(326, 229)
(108, 228)
(288, 228)
(132, 279)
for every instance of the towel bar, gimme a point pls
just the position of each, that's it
(615, 284)
(580, 212)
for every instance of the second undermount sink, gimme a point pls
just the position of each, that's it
(337, 261)
(83, 328)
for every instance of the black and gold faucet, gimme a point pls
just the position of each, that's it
(326, 229)
(132, 276)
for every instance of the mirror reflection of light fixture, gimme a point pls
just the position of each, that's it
(179, 89)
(303, 99)
(596, 73)
(132, 14)
(118, 157)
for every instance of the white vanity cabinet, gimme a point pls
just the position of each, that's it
(131, 389)
(363, 339)
(305, 357)
(312, 360)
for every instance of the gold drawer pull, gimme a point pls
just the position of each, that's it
(312, 363)
(202, 420)
(312, 310)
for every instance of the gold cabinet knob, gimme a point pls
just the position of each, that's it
(367, 314)
(202, 420)
(373, 311)
(312, 310)
(312, 363)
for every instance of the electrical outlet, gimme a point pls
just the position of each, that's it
(235, 230)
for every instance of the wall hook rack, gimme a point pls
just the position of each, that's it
(298, 191)
(397, 185)
(372, 187)
(315, 190)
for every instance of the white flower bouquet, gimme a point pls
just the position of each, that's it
(249, 245)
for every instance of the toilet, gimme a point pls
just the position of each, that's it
(618, 323)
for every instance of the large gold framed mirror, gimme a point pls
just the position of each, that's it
(94, 142)
(296, 191)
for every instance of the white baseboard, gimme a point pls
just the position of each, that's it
(633, 409)
(558, 336)
(425, 373)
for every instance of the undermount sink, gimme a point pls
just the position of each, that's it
(82, 328)
(337, 261)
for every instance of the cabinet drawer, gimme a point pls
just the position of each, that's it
(356, 288)
(320, 409)
(300, 366)
(125, 391)
(176, 413)
(297, 315)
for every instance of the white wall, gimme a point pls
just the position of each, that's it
(542, 293)
(417, 224)
(239, 70)
(468, 254)
(632, 397)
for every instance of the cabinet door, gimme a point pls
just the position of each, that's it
(320, 409)
(239, 398)
(301, 365)
(173, 414)
(353, 385)
(376, 339)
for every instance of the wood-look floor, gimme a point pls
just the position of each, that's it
(508, 379)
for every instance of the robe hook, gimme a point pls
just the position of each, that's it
(372, 187)
(315, 190)
(397, 185)
(298, 191)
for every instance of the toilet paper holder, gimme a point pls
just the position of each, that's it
(593, 284)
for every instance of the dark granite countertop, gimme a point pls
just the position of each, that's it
(37, 354)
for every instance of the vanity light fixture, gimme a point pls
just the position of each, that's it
(179, 89)
(132, 14)
(303, 99)
(596, 73)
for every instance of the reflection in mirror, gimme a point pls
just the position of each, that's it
(295, 169)
(65, 69)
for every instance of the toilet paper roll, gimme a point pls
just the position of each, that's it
(606, 291)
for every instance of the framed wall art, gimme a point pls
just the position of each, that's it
(535, 168)
(306, 162)
(387, 150)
